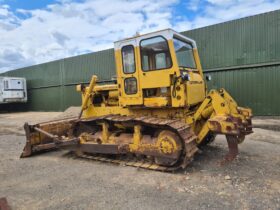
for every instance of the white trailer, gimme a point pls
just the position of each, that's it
(12, 89)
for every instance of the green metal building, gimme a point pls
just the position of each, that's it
(243, 56)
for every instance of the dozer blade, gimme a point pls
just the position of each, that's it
(50, 135)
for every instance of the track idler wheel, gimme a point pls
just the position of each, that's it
(170, 147)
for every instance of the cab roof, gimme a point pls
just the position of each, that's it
(166, 33)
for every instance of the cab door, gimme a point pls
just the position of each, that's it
(128, 74)
(156, 62)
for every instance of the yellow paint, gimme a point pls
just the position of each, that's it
(136, 138)
(195, 89)
(166, 143)
(89, 91)
(156, 101)
(105, 132)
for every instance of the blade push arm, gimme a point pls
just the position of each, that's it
(221, 115)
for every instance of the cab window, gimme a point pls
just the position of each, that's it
(130, 85)
(184, 54)
(155, 54)
(128, 59)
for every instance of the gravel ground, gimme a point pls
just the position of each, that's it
(56, 180)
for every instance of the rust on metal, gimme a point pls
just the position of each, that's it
(42, 147)
(102, 148)
(27, 151)
(45, 133)
(120, 160)
(216, 125)
(233, 149)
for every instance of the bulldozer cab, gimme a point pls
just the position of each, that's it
(159, 69)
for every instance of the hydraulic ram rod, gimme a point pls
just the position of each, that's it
(88, 92)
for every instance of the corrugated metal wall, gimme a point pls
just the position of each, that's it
(242, 56)
(257, 87)
(251, 40)
(52, 85)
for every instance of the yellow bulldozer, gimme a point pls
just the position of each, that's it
(155, 115)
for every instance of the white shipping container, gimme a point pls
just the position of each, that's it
(12, 89)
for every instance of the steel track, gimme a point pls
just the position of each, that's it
(182, 129)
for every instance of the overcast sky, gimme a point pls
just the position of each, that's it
(37, 31)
